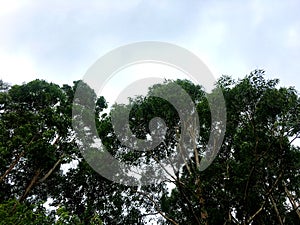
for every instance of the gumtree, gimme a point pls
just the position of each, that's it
(36, 138)
(255, 177)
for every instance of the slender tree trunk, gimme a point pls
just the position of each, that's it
(52, 169)
(201, 200)
(276, 209)
(31, 185)
(28, 188)
(35, 180)
(12, 165)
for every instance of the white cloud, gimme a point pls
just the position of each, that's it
(133, 76)
(258, 11)
(12, 6)
(16, 68)
(293, 36)
(62, 38)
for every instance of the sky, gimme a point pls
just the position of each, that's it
(59, 40)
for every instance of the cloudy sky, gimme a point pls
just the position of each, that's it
(59, 40)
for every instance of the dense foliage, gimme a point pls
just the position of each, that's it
(253, 180)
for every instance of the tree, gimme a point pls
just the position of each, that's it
(36, 139)
(23, 214)
(257, 167)
(253, 180)
(255, 177)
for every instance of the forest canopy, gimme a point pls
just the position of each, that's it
(254, 178)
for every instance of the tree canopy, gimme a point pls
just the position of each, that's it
(254, 178)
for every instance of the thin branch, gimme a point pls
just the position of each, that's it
(31, 184)
(291, 199)
(196, 155)
(276, 209)
(158, 208)
(190, 206)
(12, 165)
(52, 169)
(265, 201)
(156, 159)
(149, 214)
(256, 213)
(183, 158)
(234, 219)
(180, 146)
(297, 136)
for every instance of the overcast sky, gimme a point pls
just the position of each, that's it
(59, 40)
